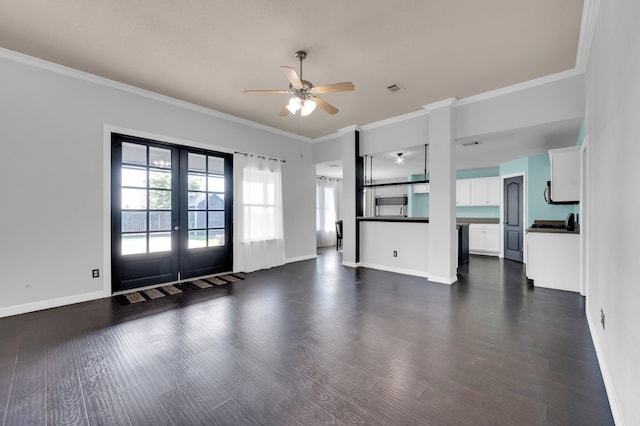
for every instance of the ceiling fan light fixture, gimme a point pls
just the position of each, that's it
(399, 159)
(307, 107)
(294, 104)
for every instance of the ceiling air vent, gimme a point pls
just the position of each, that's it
(471, 143)
(395, 87)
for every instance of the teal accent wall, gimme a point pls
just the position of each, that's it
(537, 171)
(419, 203)
(537, 208)
(478, 173)
(583, 132)
(515, 166)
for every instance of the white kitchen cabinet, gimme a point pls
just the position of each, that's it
(420, 188)
(553, 260)
(478, 191)
(485, 191)
(565, 174)
(463, 192)
(484, 239)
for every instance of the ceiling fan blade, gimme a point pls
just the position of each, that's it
(284, 112)
(326, 106)
(292, 76)
(336, 87)
(274, 92)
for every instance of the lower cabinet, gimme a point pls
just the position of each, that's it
(484, 239)
(553, 260)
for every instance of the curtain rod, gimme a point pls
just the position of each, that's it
(248, 154)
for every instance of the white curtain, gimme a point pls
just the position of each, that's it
(328, 210)
(258, 236)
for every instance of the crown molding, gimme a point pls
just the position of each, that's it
(541, 81)
(92, 78)
(590, 10)
(449, 102)
(393, 120)
(327, 137)
(352, 128)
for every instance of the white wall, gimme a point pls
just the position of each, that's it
(328, 150)
(613, 108)
(550, 99)
(378, 241)
(51, 169)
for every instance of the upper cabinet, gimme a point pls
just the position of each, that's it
(478, 191)
(463, 192)
(565, 174)
(485, 191)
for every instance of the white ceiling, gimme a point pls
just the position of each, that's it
(206, 51)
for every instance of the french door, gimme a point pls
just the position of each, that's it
(171, 212)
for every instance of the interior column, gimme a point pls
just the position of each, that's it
(442, 193)
(349, 195)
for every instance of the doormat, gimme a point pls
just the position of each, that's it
(184, 287)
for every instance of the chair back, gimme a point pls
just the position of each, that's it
(339, 229)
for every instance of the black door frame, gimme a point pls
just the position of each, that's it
(177, 258)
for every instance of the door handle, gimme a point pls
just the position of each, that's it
(175, 228)
(505, 222)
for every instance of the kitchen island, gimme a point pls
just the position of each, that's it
(400, 244)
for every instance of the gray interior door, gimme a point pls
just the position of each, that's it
(513, 218)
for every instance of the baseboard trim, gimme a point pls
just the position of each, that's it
(404, 271)
(604, 370)
(443, 280)
(300, 258)
(350, 264)
(48, 304)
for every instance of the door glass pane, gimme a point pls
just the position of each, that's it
(159, 241)
(216, 219)
(197, 162)
(216, 165)
(197, 239)
(216, 184)
(134, 154)
(159, 221)
(197, 182)
(159, 179)
(134, 199)
(134, 243)
(134, 176)
(197, 200)
(216, 201)
(134, 221)
(160, 157)
(159, 199)
(197, 220)
(216, 237)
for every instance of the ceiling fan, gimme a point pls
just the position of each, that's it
(304, 93)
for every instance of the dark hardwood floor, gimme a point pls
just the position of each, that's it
(312, 343)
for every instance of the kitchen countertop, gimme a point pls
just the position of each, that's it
(552, 231)
(459, 220)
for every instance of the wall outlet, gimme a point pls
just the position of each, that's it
(95, 273)
(602, 318)
(395, 253)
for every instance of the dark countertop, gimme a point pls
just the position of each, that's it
(481, 220)
(552, 231)
(459, 220)
(393, 219)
